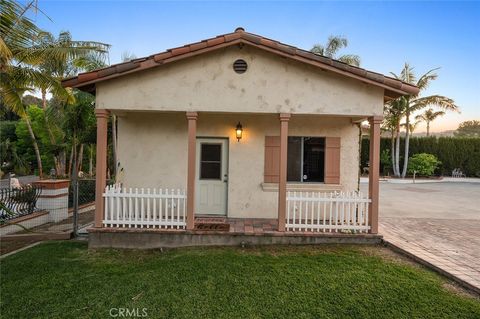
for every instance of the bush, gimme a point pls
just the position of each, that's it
(423, 164)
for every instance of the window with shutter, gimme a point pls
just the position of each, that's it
(310, 159)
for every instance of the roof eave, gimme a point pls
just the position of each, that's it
(393, 88)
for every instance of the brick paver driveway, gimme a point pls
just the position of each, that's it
(437, 222)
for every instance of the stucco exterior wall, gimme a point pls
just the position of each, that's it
(272, 84)
(152, 151)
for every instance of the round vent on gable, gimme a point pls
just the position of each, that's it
(240, 66)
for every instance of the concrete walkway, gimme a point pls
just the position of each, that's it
(436, 223)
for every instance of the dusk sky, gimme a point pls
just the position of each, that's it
(385, 34)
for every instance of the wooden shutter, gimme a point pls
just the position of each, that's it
(332, 160)
(272, 159)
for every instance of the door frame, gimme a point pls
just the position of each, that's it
(227, 168)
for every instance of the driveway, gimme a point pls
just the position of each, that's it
(438, 223)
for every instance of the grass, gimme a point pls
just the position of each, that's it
(65, 280)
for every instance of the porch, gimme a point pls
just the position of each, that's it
(311, 209)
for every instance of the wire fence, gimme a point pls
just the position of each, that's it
(86, 192)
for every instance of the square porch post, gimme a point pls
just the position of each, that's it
(282, 181)
(101, 164)
(192, 144)
(373, 172)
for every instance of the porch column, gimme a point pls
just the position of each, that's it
(282, 178)
(374, 171)
(192, 142)
(101, 165)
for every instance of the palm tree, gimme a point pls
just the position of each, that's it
(394, 111)
(429, 116)
(331, 48)
(84, 56)
(411, 126)
(416, 103)
(22, 53)
(17, 60)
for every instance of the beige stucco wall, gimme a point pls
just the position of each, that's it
(272, 84)
(152, 150)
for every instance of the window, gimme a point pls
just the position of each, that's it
(210, 161)
(306, 159)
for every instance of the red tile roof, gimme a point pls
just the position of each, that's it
(393, 87)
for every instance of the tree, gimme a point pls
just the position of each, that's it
(394, 111)
(429, 116)
(83, 56)
(79, 122)
(331, 48)
(36, 122)
(18, 57)
(411, 126)
(24, 50)
(468, 129)
(414, 103)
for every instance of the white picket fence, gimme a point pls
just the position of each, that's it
(327, 212)
(144, 208)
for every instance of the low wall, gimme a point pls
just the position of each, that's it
(144, 239)
(52, 205)
(28, 221)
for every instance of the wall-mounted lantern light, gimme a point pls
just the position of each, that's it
(238, 131)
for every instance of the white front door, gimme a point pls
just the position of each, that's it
(211, 176)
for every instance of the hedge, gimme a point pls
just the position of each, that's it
(453, 152)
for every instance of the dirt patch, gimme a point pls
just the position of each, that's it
(9, 246)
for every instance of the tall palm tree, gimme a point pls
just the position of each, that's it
(412, 126)
(394, 111)
(22, 53)
(331, 48)
(416, 102)
(65, 65)
(86, 54)
(429, 116)
(17, 60)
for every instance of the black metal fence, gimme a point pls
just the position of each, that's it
(18, 202)
(86, 192)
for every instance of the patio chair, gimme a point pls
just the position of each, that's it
(457, 173)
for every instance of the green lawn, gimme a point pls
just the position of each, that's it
(65, 280)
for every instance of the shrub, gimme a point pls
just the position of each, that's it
(423, 164)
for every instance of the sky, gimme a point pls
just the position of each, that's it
(426, 34)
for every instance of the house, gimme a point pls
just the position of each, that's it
(240, 134)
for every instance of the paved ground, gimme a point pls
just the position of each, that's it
(38, 233)
(437, 222)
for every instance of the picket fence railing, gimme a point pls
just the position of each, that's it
(327, 212)
(144, 208)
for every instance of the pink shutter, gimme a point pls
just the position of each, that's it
(332, 160)
(272, 159)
